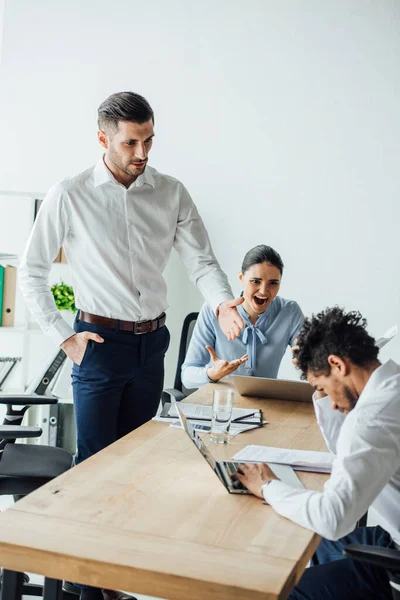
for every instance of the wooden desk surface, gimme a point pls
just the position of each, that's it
(148, 515)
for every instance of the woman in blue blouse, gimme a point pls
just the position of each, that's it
(271, 324)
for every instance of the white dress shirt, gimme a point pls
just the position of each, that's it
(117, 242)
(366, 469)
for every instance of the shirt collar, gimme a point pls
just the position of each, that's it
(380, 375)
(101, 175)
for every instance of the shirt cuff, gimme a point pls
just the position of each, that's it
(322, 406)
(60, 331)
(321, 401)
(274, 490)
(217, 301)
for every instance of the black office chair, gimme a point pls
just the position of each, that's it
(388, 558)
(24, 468)
(178, 392)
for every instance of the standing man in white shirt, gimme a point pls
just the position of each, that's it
(358, 409)
(118, 222)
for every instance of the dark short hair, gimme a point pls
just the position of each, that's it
(123, 106)
(260, 254)
(333, 331)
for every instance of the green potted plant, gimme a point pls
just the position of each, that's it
(64, 298)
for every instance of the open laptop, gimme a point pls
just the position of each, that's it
(224, 469)
(276, 389)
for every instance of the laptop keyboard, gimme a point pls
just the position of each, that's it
(232, 467)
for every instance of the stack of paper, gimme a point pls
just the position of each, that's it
(387, 336)
(299, 460)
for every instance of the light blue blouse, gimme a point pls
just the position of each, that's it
(265, 342)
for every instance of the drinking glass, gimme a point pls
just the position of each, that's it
(221, 415)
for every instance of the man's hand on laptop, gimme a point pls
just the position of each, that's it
(221, 368)
(254, 476)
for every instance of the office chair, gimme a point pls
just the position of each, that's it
(24, 468)
(388, 558)
(178, 392)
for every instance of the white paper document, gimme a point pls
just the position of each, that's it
(300, 460)
(387, 336)
(286, 474)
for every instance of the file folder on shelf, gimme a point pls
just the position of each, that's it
(1, 292)
(41, 385)
(9, 295)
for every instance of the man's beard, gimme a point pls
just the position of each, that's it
(350, 397)
(115, 159)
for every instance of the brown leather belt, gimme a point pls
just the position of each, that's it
(137, 327)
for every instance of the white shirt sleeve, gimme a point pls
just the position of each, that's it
(330, 421)
(193, 245)
(368, 454)
(46, 239)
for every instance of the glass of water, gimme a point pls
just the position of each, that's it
(221, 415)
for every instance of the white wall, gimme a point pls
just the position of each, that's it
(281, 118)
(1, 24)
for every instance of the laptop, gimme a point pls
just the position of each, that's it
(224, 469)
(275, 389)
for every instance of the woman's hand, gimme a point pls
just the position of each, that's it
(294, 350)
(221, 368)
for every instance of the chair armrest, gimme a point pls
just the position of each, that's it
(171, 395)
(388, 558)
(27, 399)
(12, 432)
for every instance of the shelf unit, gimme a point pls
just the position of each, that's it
(25, 338)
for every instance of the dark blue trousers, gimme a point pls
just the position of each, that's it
(334, 577)
(116, 388)
(118, 385)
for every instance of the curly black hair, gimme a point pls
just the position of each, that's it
(333, 331)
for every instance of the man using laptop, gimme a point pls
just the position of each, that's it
(357, 405)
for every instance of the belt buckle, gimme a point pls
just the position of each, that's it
(147, 330)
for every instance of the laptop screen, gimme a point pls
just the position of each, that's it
(198, 442)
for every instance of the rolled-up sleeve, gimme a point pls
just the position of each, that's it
(194, 247)
(330, 421)
(46, 239)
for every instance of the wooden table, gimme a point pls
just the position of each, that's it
(148, 515)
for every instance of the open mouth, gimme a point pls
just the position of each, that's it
(260, 301)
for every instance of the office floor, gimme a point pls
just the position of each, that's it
(5, 502)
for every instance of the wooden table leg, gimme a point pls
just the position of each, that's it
(11, 585)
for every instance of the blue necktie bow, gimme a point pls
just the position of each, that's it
(249, 338)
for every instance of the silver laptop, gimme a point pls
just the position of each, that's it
(224, 469)
(276, 389)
